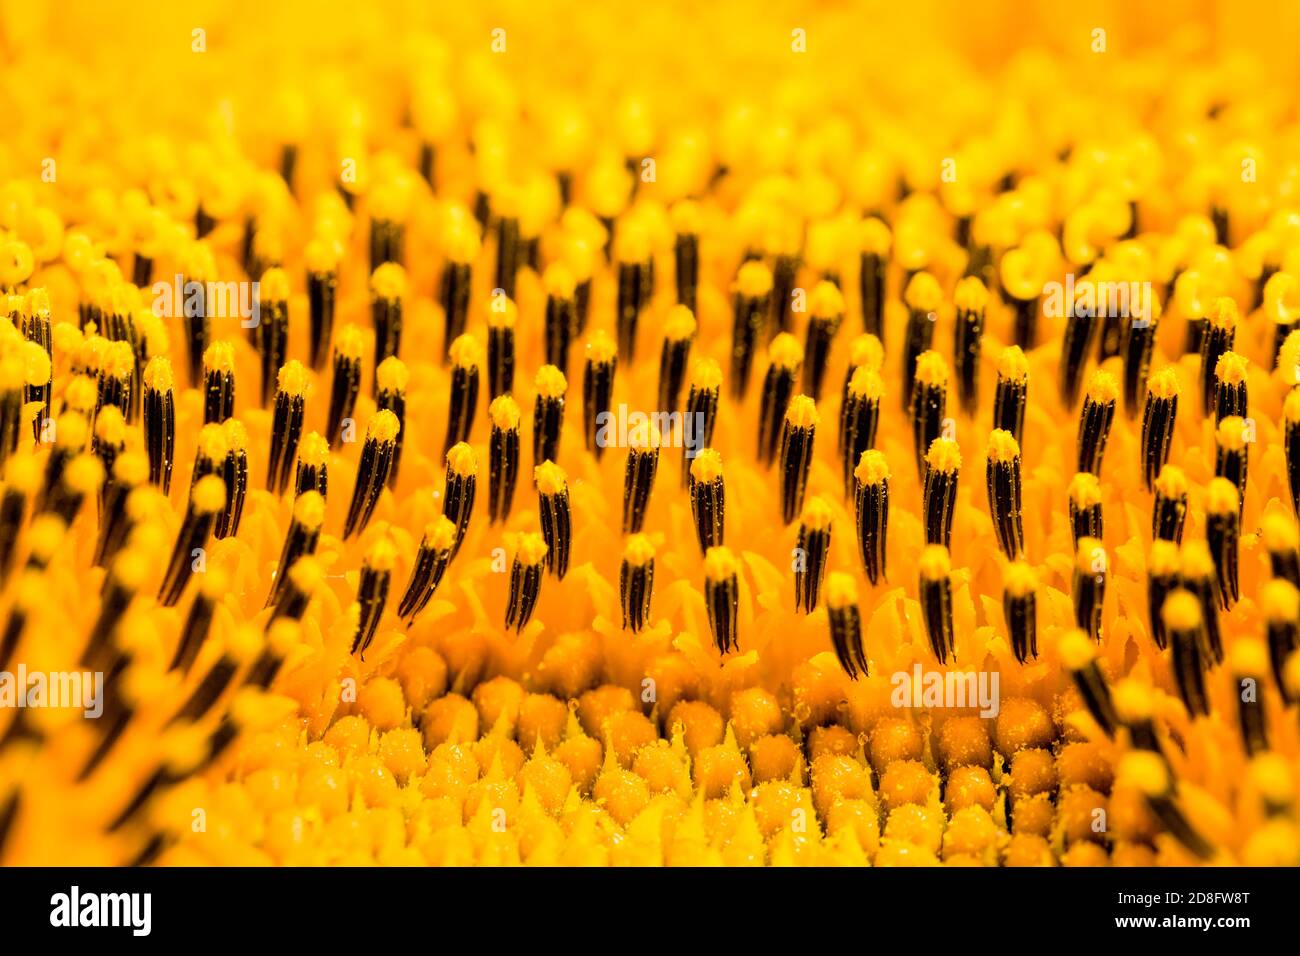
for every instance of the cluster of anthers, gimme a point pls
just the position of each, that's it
(490, 475)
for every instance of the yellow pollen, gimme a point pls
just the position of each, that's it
(1181, 611)
(826, 301)
(1019, 579)
(970, 296)
(944, 456)
(934, 563)
(785, 351)
(550, 382)
(388, 282)
(872, 468)
(383, 427)
(923, 293)
(1103, 388)
(1012, 365)
(504, 412)
(706, 468)
(551, 479)
(841, 590)
(309, 509)
(1002, 446)
(640, 551)
(802, 412)
(720, 564)
(532, 548)
(461, 460)
(1085, 490)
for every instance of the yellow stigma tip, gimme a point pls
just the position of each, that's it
(970, 295)
(1144, 771)
(1221, 497)
(601, 349)
(754, 280)
(1279, 532)
(532, 548)
(383, 427)
(1181, 611)
(392, 375)
(719, 564)
(931, 369)
(558, 281)
(680, 324)
(1076, 650)
(631, 242)
(706, 466)
(944, 455)
(841, 590)
(274, 285)
(935, 563)
(1248, 657)
(1270, 774)
(219, 357)
(1163, 384)
(504, 413)
(1231, 433)
(550, 382)
(465, 352)
(1171, 482)
(1165, 559)
(84, 474)
(158, 375)
(322, 255)
(1279, 601)
(802, 412)
(1019, 579)
(867, 351)
(923, 293)
(686, 217)
(440, 533)
(212, 442)
(1085, 490)
(309, 509)
(313, 450)
(639, 550)
(866, 384)
(382, 555)
(1002, 446)
(350, 342)
(306, 574)
(1012, 365)
(873, 237)
(293, 378)
(785, 351)
(1133, 701)
(1103, 388)
(816, 514)
(551, 478)
(209, 494)
(388, 282)
(502, 313)
(37, 302)
(110, 426)
(706, 375)
(461, 460)
(1223, 313)
(872, 468)
(826, 301)
(1196, 559)
(1231, 368)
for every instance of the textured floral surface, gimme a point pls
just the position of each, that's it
(282, 143)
